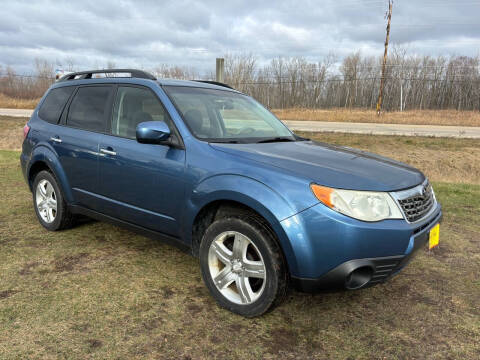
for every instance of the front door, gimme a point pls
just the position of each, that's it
(140, 183)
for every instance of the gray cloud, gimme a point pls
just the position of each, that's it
(192, 33)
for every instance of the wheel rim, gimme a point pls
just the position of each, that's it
(237, 267)
(46, 201)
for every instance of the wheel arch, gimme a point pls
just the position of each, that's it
(45, 159)
(203, 208)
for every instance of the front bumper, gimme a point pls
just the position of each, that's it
(368, 272)
(332, 251)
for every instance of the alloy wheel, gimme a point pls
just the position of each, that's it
(46, 201)
(237, 267)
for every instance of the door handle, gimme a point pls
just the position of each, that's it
(108, 152)
(56, 139)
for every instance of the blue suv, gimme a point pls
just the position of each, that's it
(209, 169)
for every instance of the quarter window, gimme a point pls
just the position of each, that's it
(134, 105)
(54, 103)
(89, 108)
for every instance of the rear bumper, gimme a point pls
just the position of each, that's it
(362, 273)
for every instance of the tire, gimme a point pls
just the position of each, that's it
(49, 204)
(232, 252)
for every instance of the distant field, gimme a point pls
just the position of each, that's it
(13, 103)
(441, 159)
(417, 117)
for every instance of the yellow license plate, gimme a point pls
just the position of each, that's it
(434, 236)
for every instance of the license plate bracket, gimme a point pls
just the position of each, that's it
(434, 236)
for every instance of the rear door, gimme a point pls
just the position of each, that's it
(76, 142)
(140, 183)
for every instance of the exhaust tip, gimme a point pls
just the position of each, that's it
(359, 277)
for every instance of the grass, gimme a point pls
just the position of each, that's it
(11, 132)
(441, 159)
(98, 291)
(417, 117)
(17, 103)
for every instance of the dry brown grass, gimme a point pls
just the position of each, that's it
(416, 117)
(11, 133)
(15, 103)
(441, 159)
(100, 292)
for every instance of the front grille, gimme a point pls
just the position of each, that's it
(418, 205)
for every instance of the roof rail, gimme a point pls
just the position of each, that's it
(214, 83)
(88, 74)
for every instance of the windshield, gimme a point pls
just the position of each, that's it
(226, 116)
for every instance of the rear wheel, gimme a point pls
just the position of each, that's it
(49, 203)
(242, 265)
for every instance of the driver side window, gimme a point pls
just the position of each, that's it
(134, 105)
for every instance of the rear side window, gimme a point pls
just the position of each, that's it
(52, 107)
(89, 108)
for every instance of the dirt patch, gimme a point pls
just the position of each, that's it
(69, 263)
(194, 309)
(28, 267)
(94, 343)
(152, 324)
(167, 292)
(7, 293)
(281, 340)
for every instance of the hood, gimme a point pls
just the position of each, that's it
(330, 165)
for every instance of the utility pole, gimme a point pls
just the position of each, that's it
(401, 95)
(382, 79)
(220, 73)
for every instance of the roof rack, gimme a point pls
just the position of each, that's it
(214, 83)
(88, 74)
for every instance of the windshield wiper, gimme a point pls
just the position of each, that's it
(221, 141)
(275, 139)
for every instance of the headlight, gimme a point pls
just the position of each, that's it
(361, 205)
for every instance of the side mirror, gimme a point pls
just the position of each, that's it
(152, 132)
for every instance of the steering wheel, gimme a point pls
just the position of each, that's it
(246, 131)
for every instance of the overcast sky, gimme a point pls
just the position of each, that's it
(192, 33)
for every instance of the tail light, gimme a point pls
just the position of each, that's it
(26, 129)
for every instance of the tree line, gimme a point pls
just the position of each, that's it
(411, 81)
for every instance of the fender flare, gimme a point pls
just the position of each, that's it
(48, 156)
(265, 201)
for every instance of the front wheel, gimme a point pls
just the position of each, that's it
(242, 265)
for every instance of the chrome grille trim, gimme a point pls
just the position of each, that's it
(416, 203)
